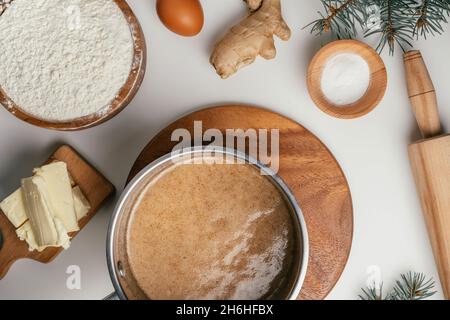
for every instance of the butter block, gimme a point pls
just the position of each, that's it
(59, 188)
(14, 209)
(47, 229)
(63, 237)
(37, 206)
(81, 204)
(46, 207)
(25, 233)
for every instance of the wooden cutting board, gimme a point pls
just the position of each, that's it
(95, 187)
(307, 167)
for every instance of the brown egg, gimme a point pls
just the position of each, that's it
(184, 17)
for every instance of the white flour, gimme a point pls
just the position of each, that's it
(345, 78)
(64, 59)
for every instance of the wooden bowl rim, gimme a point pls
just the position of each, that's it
(122, 99)
(374, 93)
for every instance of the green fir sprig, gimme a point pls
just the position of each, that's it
(430, 16)
(396, 25)
(372, 293)
(395, 22)
(339, 18)
(411, 286)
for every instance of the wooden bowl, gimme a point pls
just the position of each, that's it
(123, 98)
(374, 93)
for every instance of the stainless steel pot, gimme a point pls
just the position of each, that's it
(121, 276)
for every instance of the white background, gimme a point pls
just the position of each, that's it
(389, 231)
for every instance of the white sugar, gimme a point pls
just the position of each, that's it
(64, 59)
(345, 78)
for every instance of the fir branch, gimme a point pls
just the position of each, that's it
(412, 286)
(431, 14)
(339, 18)
(396, 24)
(372, 293)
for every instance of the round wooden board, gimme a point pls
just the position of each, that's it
(307, 167)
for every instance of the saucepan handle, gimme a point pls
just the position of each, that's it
(112, 296)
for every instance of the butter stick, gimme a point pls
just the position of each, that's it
(47, 229)
(25, 233)
(57, 180)
(32, 207)
(37, 206)
(81, 204)
(14, 209)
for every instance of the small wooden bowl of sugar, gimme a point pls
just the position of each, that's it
(347, 79)
(89, 62)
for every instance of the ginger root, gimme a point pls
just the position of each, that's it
(254, 5)
(253, 36)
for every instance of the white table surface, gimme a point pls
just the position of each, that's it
(389, 230)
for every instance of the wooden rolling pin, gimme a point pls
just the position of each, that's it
(430, 161)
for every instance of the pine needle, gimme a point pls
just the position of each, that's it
(411, 286)
(339, 18)
(372, 293)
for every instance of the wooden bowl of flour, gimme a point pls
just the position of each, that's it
(119, 102)
(369, 98)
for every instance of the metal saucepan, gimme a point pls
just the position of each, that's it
(124, 283)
